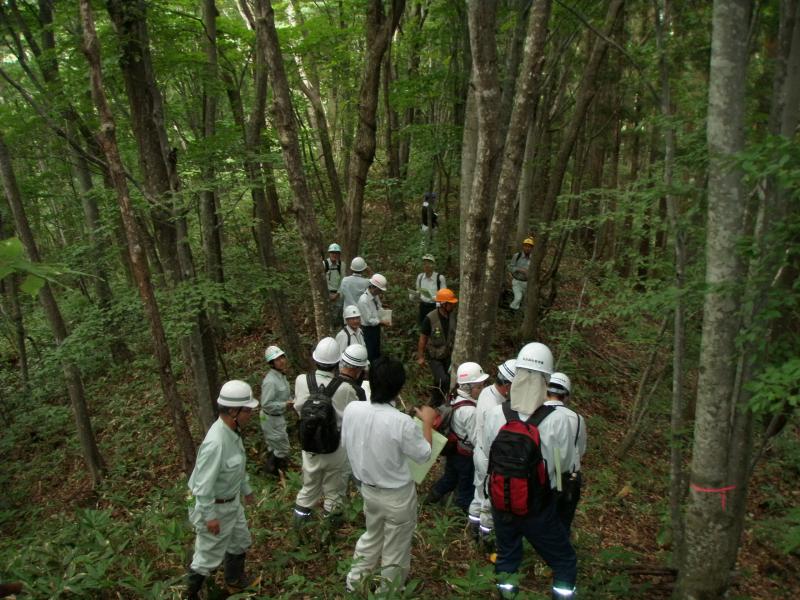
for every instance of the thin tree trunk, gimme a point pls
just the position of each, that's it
(586, 92)
(209, 212)
(72, 375)
(469, 149)
(380, 29)
(711, 530)
(527, 90)
(292, 157)
(525, 194)
(108, 141)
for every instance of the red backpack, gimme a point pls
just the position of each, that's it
(517, 475)
(444, 425)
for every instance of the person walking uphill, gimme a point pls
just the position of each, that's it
(369, 305)
(320, 400)
(355, 284)
(518, 267)
(379, 440)
(218, 484)
(436, 338)
(519, 488)
(275, 399)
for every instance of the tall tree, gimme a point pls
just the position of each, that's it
(711, 530)
(72, 375)
(287, 132)
(380, 29)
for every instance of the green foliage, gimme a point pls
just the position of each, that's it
(775, 387)
(12, 260)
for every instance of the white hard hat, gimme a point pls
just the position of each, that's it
(429, 257)
(351, 312)
(334, 248)
(379, 281)
(356, 355)
(470, 372)
(273, 352)
(558, 383)
(508, 369)
(237, 394)
(536, 357)
(358, 264)
(326, 352)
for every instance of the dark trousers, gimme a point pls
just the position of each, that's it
(567, 500)
(440, 370)
(424, 309)
(459, 472)
(372, 340)
(545, 533)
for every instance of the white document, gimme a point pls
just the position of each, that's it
(420, 470)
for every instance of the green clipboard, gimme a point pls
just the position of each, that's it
(420, 470)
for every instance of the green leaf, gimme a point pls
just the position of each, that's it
(32, 284)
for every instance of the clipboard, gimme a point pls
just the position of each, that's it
(420, 470)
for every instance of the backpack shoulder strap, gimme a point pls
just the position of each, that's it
(362, 395)
(510, 415)
(461, 403)
(578, 429)
(331, 388)
(419, 280)
(540, 415)
(438, 281)
(312, 383)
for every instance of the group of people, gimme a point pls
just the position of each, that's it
(512, 459)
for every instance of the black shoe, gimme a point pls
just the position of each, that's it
(194, 584)
(271, 465)
(281, 463)
(432, 498)
(236, 579)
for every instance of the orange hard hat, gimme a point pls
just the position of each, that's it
(446, 295)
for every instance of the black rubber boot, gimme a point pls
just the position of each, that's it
(194, 585)
(235, 577)
(281, 463)
(271, 465)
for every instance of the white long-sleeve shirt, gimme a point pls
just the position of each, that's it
(351, 289)
(463, 423)
(348, 336)
(369, 306)
(379, 439)
(557, 430)
(488, 399)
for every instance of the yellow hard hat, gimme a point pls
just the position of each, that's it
(527, 241)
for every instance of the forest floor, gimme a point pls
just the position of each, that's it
(130, 537)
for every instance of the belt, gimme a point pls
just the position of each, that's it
(224, 500)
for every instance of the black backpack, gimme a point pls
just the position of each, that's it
(517, 478)
(318, 430)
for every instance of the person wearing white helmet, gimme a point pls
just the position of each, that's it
(428, 283)
(518, 270)
(459, 471)
(542, 528)
(480, 510)
(275, 399)
(351, 332)
(564, 450)
(333, 279)
(219, 485)
(352, 286)
(369, 305)
(325, 475)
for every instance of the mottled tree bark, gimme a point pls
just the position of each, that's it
(72, 375)
(711, 529)
(108, 142)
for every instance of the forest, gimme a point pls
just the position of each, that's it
(174, 172)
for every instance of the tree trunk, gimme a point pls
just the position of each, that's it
(527, 90)
(711, 530)
(586, 91)
(482, 23)
(526, 191)
(209, 212)
(158, 166)
(292, 157)
(380, 29)
(108, 141)
(72, 375)
(469, 149)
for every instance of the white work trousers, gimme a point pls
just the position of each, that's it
(233, 537)
(481, 506)
(274, 429)
(324, 475)
(391, 516)
(518, 287)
